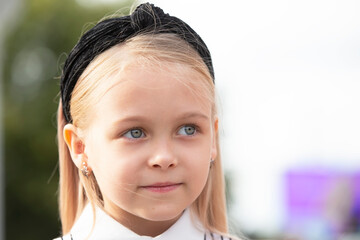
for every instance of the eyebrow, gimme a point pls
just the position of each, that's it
(141, 118)
(193, 115)
(128, 119)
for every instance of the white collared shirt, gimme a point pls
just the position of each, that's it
(107, 228)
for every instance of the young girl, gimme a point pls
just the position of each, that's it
(138, 133)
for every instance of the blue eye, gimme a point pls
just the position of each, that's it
(134, 133)
(187, 130)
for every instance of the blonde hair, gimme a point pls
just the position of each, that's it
(75, 189)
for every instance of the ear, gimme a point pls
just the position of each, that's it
(214, 140)
(75, 144)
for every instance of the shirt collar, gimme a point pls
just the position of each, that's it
(107, 228)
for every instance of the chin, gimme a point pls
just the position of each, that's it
(159, 214)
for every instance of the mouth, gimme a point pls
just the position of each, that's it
(163, 187)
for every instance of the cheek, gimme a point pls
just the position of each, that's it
(201, 174)
(111, 158)
(197, 164)
(116, 181)
(117, 169)
(114, 170)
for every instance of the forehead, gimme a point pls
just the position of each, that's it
(157, 78)
(153, 91)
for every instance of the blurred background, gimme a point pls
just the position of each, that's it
(288, 81)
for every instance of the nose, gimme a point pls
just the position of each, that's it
(163, 157)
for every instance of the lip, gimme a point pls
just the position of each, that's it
(162, 187)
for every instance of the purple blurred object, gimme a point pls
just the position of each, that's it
(322, 201)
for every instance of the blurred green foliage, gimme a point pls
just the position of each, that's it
(34, 47)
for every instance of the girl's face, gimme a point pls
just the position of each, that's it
(150, 142)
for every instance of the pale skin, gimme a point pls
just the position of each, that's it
(149, 145)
